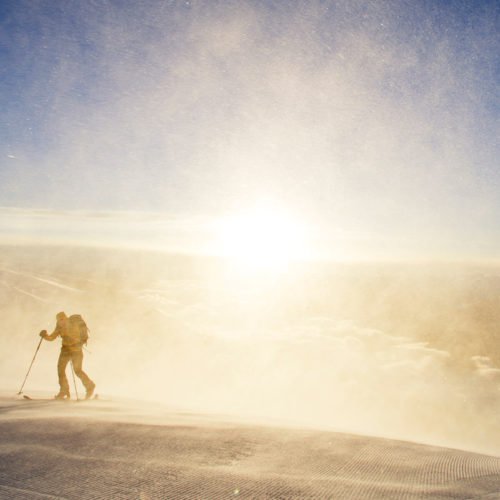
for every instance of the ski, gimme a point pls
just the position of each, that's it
(29, 398)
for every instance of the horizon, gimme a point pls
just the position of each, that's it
(198, 235)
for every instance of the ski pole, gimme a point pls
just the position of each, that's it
(74, 380)
(29, 369)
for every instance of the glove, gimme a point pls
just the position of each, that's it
(43, 334)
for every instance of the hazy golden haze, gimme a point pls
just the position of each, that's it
(403, 350)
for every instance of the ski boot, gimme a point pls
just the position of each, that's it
(90, 390)
(62, 395)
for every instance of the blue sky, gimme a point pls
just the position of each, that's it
(374, 119)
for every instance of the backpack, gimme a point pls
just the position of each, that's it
(79, 328)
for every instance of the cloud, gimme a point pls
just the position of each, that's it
(484, 368)
(123, 229)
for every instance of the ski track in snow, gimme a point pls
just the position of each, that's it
(13, 492)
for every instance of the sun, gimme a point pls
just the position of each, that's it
(264, 237)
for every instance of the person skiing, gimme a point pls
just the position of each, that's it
(73, 332)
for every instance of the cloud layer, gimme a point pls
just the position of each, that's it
(180, 331)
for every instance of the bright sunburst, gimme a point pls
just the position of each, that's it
(264, 237)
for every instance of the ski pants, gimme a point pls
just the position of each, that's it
(76, 357)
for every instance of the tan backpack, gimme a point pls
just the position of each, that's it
(78, 329)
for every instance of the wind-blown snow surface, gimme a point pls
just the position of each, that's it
(408, 352)
(101, 449)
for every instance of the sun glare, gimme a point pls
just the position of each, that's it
(262, 238)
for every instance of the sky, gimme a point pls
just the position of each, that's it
(374, 124)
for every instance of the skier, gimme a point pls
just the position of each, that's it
(73, 332)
